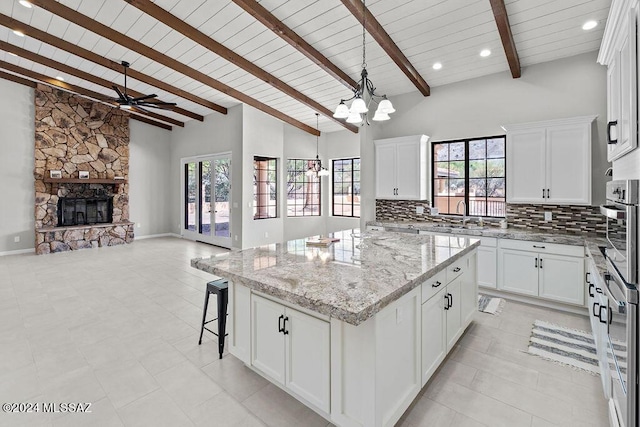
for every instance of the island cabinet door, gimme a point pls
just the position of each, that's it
(434, 346)
(308, 357)
(267, 337)
(469, 292)
(453, 307)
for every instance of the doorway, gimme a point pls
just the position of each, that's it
(206, 199)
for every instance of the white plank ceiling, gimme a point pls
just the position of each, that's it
(427, 31)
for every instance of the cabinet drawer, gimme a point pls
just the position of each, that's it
(457, 268)
(432, 285)
(543, 248)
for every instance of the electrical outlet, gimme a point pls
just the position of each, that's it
(420, 210)
(548, 216)
(235, 204)
(266, 234)
(138, 225)
(16, 239)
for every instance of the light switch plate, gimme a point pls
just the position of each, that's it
(548, 216)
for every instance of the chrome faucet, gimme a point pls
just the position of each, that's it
(464, 212)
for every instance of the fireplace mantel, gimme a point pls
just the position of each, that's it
(84, 181)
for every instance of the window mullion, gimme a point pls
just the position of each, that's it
(466, 177)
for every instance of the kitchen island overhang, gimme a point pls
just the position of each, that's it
(353, 330)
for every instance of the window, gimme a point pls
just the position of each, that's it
(265, 187)
(303, 190)
(346, 187)
(469, 177)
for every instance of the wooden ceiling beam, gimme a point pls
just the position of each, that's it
(224, 52)
(26, 54)
(143, 119)
(502, 21)
(78, 90)
(17, 79)
(267, 19)
(375, 29)
(96, 27)
(64, 45)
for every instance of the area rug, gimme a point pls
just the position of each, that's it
(487, 304)
(569, 347)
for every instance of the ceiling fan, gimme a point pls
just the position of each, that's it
(128, 102)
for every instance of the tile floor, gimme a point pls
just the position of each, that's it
(118, 327)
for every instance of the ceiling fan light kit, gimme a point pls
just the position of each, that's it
(127, 102)
(357, 113)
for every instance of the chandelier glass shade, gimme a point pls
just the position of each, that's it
(364, 94)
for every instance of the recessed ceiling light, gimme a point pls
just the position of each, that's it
(589, 25)
(26, 4)
(60, 78)
(437, 66)
(485, 52)
(18, 33)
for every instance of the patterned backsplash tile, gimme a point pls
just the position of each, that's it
(571, 219)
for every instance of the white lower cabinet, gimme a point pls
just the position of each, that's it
(550, 271)
(487, 271)
(292, 348)
(597, 305)
(434, 344)
(453, 312)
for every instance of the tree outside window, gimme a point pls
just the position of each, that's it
(265, 187)
(303, 189)
(346, 187)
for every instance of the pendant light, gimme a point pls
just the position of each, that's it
(316, 165)
(357, 113)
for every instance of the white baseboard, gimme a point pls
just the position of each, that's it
(153, 236)
(575, 309)
(18, 252)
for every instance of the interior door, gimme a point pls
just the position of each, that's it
(206, 199)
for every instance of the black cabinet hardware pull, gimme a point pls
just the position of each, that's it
(284, 326)
(280, 328)
(610, 315)
(586, 277)
(594, 311)
(447, 306)
(536, 262)
(599, 290)
(543, 193)
(605, 314)
(591, 286)
(548, 194)
(609, 126)
(540, 262)
(451, 300)
(435, 285)
(539, 247)
(455, 270)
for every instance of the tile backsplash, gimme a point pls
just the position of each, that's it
(571, 219)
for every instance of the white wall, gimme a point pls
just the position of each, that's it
(568, 87)
(219, 133)
(339, 145)
(262, 135)
(16, 166)
(149, 179)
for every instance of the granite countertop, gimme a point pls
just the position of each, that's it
(591, 243)
(350, 280)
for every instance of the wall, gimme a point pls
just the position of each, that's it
(16, 166)
(262, 135)
(339, 145)
(149, 179)
(568, 87)
(219, 133)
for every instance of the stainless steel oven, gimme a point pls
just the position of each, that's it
(621, 289)
(621, 212)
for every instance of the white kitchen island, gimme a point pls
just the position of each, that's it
(353, 330)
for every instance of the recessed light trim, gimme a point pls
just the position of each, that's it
(18, 33)
(437, 66)
(12, 54)
(485, 52)
(26, 4)
(60, 78)
(589, 25)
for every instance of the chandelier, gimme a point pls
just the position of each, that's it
(357, 113)
(315, 166)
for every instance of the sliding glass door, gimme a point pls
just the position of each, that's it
(206, 199)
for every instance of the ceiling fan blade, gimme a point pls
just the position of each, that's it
(120, 94)
(161, 105)
(144, 98)
(140, 109)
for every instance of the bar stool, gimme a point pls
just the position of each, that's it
(219, 287)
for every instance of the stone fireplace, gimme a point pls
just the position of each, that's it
(76, 136)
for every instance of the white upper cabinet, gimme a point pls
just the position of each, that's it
(618, 53)
(550, 162)
(401, 168)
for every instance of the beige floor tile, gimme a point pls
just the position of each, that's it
(126, 383)
(223, 410)
(276, 408)
(155, 409)
(426, 412)
(20, 384)
(234, 377)
(461, 420)
(187, 385)
(161, 357)
(502, 368)
(102, 414)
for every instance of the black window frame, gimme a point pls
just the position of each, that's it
(466, 142)
(256, 194)
(333, 180)
(306, 179)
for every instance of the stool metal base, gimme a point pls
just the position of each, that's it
(219, 287)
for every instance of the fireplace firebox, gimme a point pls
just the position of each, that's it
(82, 211)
